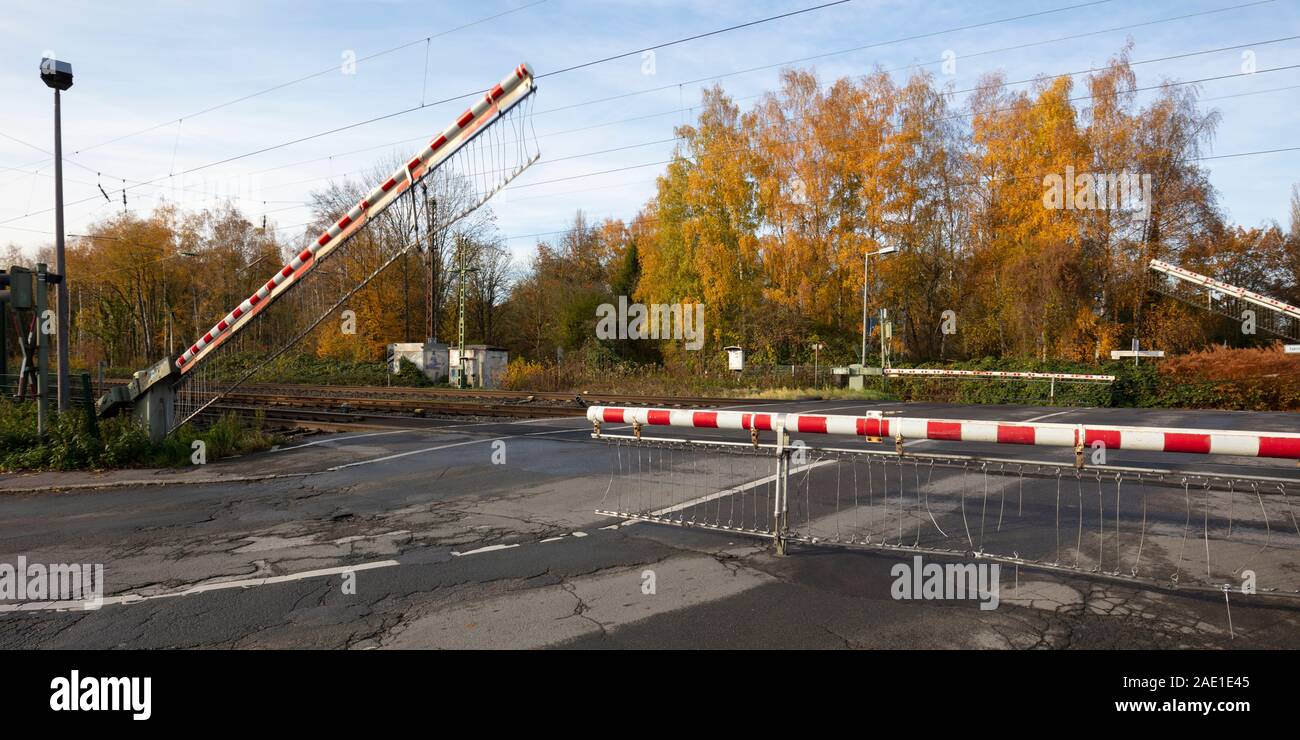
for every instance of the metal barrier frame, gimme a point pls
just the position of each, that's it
(782, 449)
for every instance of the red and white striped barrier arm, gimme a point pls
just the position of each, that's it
(1151, 439)
(938, 372)
(1232, 290)
(500, 98)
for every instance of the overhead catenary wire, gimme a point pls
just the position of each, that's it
(376, 119)
(679, 110)
(313, 75)
(1089, 70)
(943, 118)
(146, 183)
(953, 92)
(774, 65)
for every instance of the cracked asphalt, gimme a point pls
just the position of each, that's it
(425, 538)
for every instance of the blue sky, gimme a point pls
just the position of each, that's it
(141, 64)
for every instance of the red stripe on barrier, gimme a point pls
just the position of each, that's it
(872, 427)
(207, 338)
(1180, 442)
(763, 422)
(237, 312)
(222, 325)
(415, 162)
(254, 300)
(438, 142)
(745, 420)
(465, 118)
(388, 185)
(287, 271)
(1015, 435)
(1108, 437)
(659, 417)
(304, 255)
(1279, 447)
(950, 430)
(613, 416)
(365, 204)
(705, 419)
(345, 222)
(497, 92)
(323, 239)
(812, 424)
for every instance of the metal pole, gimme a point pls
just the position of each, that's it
(42, 353)
(780, 507)
(884, 381)
(865, 256)
(4, 346)
(60, 264)
(460, 356)
(431, 331)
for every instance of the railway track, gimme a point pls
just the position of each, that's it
(342, 405)
(594, 397)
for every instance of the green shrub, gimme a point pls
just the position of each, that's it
(70, 443)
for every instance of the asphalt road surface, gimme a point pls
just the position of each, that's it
(485, 535)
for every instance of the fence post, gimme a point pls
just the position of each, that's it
(781, 508)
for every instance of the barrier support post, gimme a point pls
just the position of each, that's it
(780, 520)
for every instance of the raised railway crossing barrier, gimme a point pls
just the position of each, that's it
(474, 157)
(1189, 529)
(1278, 318)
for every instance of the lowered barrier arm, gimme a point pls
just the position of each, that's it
(1170, 528)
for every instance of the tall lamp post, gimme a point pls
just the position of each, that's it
(866, 256)
(58, 75)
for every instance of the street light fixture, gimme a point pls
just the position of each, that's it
(57, 74)
(866, 256)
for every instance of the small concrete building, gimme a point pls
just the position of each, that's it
(485, 365)
(431, 357)
(735, 358)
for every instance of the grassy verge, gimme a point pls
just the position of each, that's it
(118, 442)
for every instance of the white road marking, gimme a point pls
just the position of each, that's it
(395, 456)
(737, 489)
(1048, 416)
(338, 439)
(489, 548)
(419, 429)
(202, 588)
